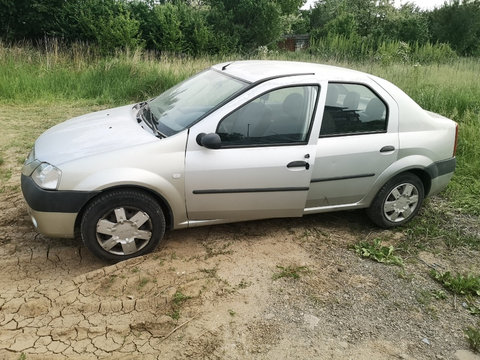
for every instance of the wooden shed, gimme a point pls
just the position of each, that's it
(295, 42)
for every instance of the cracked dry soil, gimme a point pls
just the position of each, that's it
(210, 293)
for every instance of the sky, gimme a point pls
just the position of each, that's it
(423, 4)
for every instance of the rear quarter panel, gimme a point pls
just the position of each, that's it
(421, 132)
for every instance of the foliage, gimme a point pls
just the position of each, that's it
(407, 24)
(173, 27)
(175, 314)
(226, 26)
(366, 18)
(179, 298)
(376, 251)
(459, 284)
(28, 19)
(473, 337)
(459, 25)
(248, 23)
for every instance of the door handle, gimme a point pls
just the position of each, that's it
(387, 148)
(294, 164)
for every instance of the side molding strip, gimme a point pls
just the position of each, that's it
(238, 191)
(342, 178)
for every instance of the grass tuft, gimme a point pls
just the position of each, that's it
(293, 272)
(473, 337)
(179, 298)
(458, 284)
(378, 252)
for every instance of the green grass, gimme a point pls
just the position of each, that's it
(27, 74)
(435, 227)
(361, 50)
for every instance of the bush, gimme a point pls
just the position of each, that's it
(105, 22)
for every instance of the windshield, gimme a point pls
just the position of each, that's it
(181, 106)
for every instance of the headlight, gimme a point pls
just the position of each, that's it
(47, 176)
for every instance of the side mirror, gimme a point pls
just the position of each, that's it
(210, 141)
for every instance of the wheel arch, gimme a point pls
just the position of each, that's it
(415, 164)
(167, 210)
(421, 172)
(424, 176)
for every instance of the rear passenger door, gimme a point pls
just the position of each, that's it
(358, 140)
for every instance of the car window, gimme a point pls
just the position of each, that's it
(282, 116)
(352, 109)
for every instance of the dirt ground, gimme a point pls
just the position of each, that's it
(217, 293)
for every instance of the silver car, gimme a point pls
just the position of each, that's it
(240, 141)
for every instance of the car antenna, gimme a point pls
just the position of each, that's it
(225, 66)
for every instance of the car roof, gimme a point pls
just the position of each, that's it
(260, 70)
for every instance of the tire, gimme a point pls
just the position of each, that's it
(398, 201)
(122, 224)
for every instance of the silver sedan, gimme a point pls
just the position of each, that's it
(240, 141)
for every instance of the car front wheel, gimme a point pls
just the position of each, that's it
(398, 201)
(122, 224)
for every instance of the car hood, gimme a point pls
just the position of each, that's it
(91, 134)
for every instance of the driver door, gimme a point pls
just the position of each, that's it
(264, 166)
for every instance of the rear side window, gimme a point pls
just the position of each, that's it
(353, 109)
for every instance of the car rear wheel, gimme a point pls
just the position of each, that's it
(122, 224)
(398, 201)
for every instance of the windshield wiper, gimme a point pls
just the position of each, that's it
(149, 119)
(139, 105)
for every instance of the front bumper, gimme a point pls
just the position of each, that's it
(54, 212)
(53, 224)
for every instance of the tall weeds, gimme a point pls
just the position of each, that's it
(54, 72)
(341, 48)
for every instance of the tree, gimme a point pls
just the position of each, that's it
(247, 23)
(408, 24)
(290, 6)
(459, 25)
(108, 23)
(29, 19)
